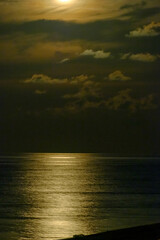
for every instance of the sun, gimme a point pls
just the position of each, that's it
(64, 1)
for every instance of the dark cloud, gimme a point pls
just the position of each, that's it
(132, 6)
(142, 13)
(124, 100)
(88, 89)
(64, 31)
(40, 92)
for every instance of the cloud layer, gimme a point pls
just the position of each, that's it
(84, 92)
(74, 11)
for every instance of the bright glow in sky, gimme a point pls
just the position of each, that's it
(64, 1)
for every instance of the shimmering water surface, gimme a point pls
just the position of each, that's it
(53, 196)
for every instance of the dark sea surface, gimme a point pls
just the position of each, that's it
(54, 196)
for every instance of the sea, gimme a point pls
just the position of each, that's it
(54, 196)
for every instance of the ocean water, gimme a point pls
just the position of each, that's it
(54, 196)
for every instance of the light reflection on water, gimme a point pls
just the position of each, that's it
(57, 195)
(53, 196)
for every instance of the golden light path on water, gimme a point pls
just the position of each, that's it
(58, 208)
(62, 157)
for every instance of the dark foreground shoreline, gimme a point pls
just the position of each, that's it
(146, 232)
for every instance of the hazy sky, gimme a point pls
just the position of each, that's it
(80, 76)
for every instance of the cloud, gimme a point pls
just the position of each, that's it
(136, 5)
(125, 56)
(40, 92)
(96, 54)
(118, 76)
(81, 79)
(147, 103)
(124, 101)
(43, 79)
(149, 30)
(142, 57)
(88, 88)
(139, 14)
(64, 60)
(85, 92)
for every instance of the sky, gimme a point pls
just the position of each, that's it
(80, 76)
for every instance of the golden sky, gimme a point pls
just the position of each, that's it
(80, 71)
(73, 10)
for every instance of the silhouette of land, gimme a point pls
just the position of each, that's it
(146, 232)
